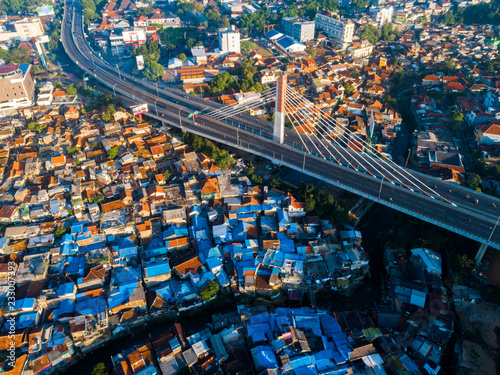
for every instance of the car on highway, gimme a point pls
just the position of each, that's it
(269, 167)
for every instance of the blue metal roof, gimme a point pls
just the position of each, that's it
(286, 42)
(157, 269)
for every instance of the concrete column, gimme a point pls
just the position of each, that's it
(480, 253)
(279, 110)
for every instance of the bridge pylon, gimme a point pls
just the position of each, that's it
(279, 110)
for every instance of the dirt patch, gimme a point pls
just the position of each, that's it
(263, 50)
(476, 360)
(480, 330)
(493, 273)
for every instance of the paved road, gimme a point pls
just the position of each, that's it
(433, 200)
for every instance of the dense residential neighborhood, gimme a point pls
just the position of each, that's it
(129, 246)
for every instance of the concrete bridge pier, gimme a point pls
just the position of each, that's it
(279, 110)
(480, 253)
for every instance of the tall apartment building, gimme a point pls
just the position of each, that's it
(17, 86)
(229, 40)
(382, 15)
(299, 29)
(340, 29)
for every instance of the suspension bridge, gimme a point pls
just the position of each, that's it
(313, 141)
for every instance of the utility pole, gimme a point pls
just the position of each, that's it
(304, 162)
(380, 191)
(408, 157)
(114, 92)
(180, 119)
(495, 227)
(156, 107)
(157, 93)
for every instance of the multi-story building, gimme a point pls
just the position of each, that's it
(29, 28)
(134, 37)
(23, 29)
(382, 15)
(116, 42)
(299, 29)
(337, 28)
(229, 40)
(359, 50)
(17, 86)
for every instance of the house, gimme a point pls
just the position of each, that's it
(296, 208)
(188, 267)
(485, 135)
(431, 80)
(156, 272)
(210, 188)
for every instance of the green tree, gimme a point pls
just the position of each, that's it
(312, 52)
(71, 90)
(209, 291)
(449, 18)
(225, 23)
(221, 82)
(256, 179)
(360, 4)
(97, 198)
(275, 184)
(100, 369)
(455, 120)
(153, 70)
(166, 175)
(370, 33)
(72, 150)
(388, 33)
(113, 152)
(447, 66)
(213, 16)
(349, 89)
(60, 231)
(77, 162)
(474, 181)
(96, 145)
(310, 203)
(182, 57)
(37, 127)
(247, 46)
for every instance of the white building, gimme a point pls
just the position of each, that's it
(229, 41)
(290, 45)
(382, 15)
(44, 96)
(134, 37)
(359, 50)
(199, 54)
(341, 30)
(247, 97)
(25, 29)
(116, 42)
(299, 29)
(29, 28)
(18, 86)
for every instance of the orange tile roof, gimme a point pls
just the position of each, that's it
(188, 265)
(210, 185)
